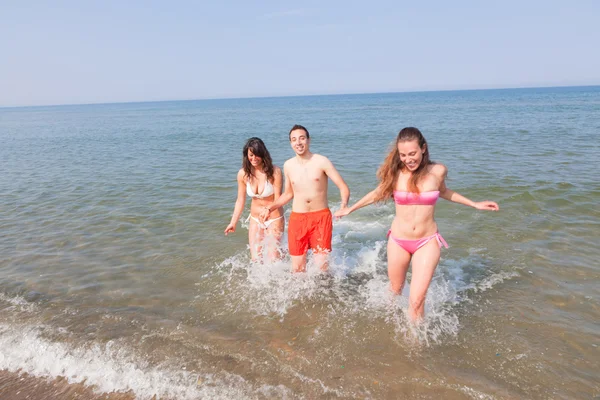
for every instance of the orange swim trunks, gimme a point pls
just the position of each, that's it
(311, 230)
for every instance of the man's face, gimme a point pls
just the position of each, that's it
(299, 141)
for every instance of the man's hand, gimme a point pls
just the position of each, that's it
(264, 215)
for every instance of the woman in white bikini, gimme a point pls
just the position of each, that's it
(262, 181)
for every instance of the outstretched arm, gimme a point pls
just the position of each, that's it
(369, 198)
(336, 178)
(454, 197)
(239, 203)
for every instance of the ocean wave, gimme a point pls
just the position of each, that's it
(112, 367)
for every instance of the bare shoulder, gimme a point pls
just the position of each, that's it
(439, 170)
(276, 170)
(322, 160)
(241, 175)
(289, 165)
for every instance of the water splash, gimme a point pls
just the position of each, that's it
(356, 284)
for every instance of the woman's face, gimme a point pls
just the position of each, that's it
(256, 161)
(410, 154)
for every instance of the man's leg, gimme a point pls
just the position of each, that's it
(321, 259)
(297, 242)
(299, 263)
(320, 238)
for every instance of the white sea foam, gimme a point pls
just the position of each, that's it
(18, 303)
(111, 367)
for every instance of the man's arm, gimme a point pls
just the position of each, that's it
(282, 200)
(336, 178)
(287, 194)
(277, 183)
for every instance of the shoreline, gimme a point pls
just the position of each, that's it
(23, 386)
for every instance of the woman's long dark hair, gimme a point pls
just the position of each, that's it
(390, 169)
(260, 150)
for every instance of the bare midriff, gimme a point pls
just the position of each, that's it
(310, 195)
(414, 222)
(257, 206)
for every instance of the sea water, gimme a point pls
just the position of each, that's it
(116, 277)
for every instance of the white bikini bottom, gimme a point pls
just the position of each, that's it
(267, 222)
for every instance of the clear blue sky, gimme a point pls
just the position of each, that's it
(65, 52)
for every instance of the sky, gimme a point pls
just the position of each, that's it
(74, 52)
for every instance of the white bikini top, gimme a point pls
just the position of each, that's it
(267, 190)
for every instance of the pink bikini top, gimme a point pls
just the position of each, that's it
(410, 198)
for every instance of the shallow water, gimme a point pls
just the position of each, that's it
(115, 273)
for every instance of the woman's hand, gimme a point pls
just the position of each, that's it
(487, 205)
(230, 229)
(342, 212)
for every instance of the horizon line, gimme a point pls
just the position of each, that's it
(297, 95)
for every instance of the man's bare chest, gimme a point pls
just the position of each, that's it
(307, 177)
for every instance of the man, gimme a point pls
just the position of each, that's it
(306, 178)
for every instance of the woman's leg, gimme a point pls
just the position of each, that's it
(274, 233)
(424, 263)
(255, 238)
(398, 261)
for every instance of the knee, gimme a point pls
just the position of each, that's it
(299, 268)
(299, 265)
(397, 287)
(417, 302)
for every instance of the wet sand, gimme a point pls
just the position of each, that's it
(15, 386)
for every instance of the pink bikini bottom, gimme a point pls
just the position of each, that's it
(413, 245)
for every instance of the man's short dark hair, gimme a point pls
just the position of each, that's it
(296, 127)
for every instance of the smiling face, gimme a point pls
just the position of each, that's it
(411, 155)
(299, 141)
(255, 160)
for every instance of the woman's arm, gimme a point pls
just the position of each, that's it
(454, 197)
(239, 203)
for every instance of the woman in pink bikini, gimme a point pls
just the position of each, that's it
(415, 182)
(262, 181)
